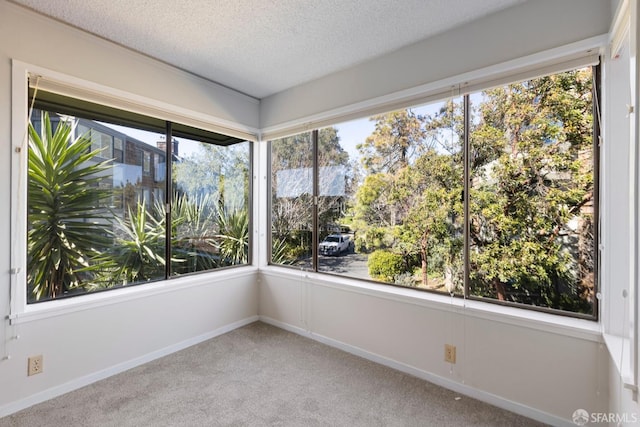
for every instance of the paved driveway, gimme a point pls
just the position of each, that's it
(352, 265)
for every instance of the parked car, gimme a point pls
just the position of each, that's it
(335, 244)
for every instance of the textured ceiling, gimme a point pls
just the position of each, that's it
(260, 47)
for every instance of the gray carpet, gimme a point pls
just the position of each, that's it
(259, 375)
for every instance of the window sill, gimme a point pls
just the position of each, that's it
(546, 322)
(89, 301)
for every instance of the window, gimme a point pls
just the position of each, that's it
(532, 194)
(96, 218)
(146, 162)
(292, 200)
(159, 167)
(491, 195)
(210, 210)
(118, 150)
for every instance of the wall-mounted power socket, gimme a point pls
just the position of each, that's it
(34, 365)
(450, 353)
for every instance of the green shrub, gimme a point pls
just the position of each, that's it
(385, 266)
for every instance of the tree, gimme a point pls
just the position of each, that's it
(385, 156)
(532, 174)
(292, 176)
(394, 142)
(531, 198)
(67, 224)
(220, 173)
(412, 191)
(291, 188)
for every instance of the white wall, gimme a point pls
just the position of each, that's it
(532, 367)
(621, 401)
(41, 41)
(82, 346)
(515, 32)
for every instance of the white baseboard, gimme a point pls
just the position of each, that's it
(116, 369)
(464, 389)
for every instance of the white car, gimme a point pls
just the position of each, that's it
(335, 244)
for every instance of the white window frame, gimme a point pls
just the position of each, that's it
(620, 259)
(75, 87)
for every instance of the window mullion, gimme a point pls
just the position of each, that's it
(596, 70)
(465, 193)
(315, 222)
(168, 198)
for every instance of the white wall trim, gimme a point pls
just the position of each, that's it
(620, 27)
(76, 87)
(441, 89)
(464, 389)
(90, 301)
(620, 351)
(546, 322)
(119, 368)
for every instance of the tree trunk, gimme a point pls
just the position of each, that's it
(423, 258)
(500, 289)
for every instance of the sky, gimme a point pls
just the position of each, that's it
(351, 133)
(355, 132)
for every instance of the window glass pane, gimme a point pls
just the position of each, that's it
(532, 193)
(118, 150)
(159, 167)
(210, 206)
(146, 163)
(291, 200)
(87, 229)
(391, 198)
(335, 190)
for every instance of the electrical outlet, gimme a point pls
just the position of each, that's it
(450, 353)
(34, 365)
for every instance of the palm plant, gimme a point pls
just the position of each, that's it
(280, 251)
(66, 223)
(193, 225)
(138, 253)
(232, 239)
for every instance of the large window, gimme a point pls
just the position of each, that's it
(532, 194)
(110, 203)
(210, 210)
(490, 195)
(292, 200)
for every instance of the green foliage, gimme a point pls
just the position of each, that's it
(232, 240)
(531, 215)
(209, 216)
(410, 199)
(66, 223)
(215, 172)
(138, 252)
(75, 241)
(533, 175)
(291, 214)
(385, 265)
(193, 223)
(406, 279)
(279, 252)
(397, 137)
